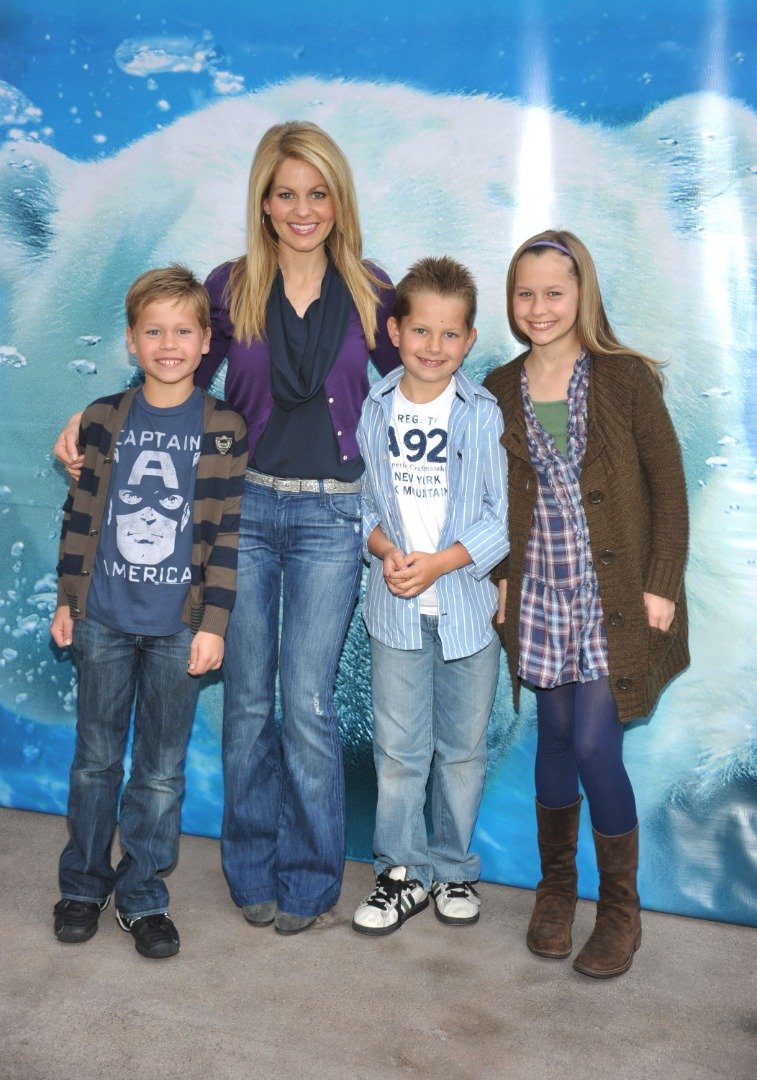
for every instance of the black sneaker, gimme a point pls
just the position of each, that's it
(394, 900)
(76, 920)
(155, 936)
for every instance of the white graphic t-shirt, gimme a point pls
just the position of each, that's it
(418, 448)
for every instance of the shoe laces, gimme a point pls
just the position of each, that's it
(77, 912)
(458, 890)
(388, 891)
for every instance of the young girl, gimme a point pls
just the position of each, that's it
(592, 612)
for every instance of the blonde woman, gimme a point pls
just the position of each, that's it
(297, 317)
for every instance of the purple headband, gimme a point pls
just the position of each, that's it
(552, 244)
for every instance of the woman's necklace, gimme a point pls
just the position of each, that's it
(301, 302)
(302, 297)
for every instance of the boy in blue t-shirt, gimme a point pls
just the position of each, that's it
(434, 524)
(147, 579)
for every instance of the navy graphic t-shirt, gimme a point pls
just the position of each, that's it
(143, 568)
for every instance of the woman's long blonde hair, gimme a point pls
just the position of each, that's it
(592, 327)
(252, 275)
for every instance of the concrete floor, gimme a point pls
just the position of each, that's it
(428, 1001)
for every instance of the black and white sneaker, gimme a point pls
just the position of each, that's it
(155, 936)
(457, 902)
(394, 900)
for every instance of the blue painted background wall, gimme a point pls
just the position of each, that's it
(127, 135)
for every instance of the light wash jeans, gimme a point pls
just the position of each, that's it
(111, 668)
(283, 835)
(430, 716)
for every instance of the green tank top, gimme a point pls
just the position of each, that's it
(553, 417)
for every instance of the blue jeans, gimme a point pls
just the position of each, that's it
(283, 834)
(111, 668)
(430, 715)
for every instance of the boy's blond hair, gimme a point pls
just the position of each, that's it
(174, 282)
(442, 276)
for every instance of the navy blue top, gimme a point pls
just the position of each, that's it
(248, 377)
(142, 571)
(299, 438)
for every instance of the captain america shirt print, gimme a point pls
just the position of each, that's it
(143, 566)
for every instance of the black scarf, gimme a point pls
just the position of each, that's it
(304, 350)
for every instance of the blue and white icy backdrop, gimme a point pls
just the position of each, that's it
(665, 204)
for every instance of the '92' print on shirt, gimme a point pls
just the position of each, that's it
(418, 445)
(419, 466)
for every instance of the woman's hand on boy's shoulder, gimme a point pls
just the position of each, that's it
(66, 448)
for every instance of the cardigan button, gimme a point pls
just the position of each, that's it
(596, 496)
(615, 619)
(74, 611)
(606, 556)
(624, 684)
(93, 532)
(107, 461)
(85, 573)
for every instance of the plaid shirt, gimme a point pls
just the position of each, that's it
(562, 632)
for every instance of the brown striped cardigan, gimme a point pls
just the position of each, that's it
(634, 494)
(215, 520)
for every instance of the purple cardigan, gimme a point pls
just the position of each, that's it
(248, 377)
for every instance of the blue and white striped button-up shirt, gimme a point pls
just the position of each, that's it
(476, 517)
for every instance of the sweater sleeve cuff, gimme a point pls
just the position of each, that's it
(214, 620)
(500, 571)
(664, 578)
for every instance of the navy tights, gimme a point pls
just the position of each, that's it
(580, 737)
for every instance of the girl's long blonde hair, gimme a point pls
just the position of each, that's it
(593, 327)
(252, 275)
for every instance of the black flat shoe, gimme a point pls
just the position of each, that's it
(76, 920)
(155, 936)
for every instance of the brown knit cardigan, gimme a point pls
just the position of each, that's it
(634, 495)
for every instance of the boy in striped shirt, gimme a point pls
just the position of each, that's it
(434, 525)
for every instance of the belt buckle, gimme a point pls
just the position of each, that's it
(290, 486)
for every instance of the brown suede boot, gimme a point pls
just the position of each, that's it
(617, 931)
(552, 917)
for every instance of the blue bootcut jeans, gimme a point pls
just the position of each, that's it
(430, 715)
(113, 667)
(283, 835)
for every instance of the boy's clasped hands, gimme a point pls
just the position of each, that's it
(410, 575)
